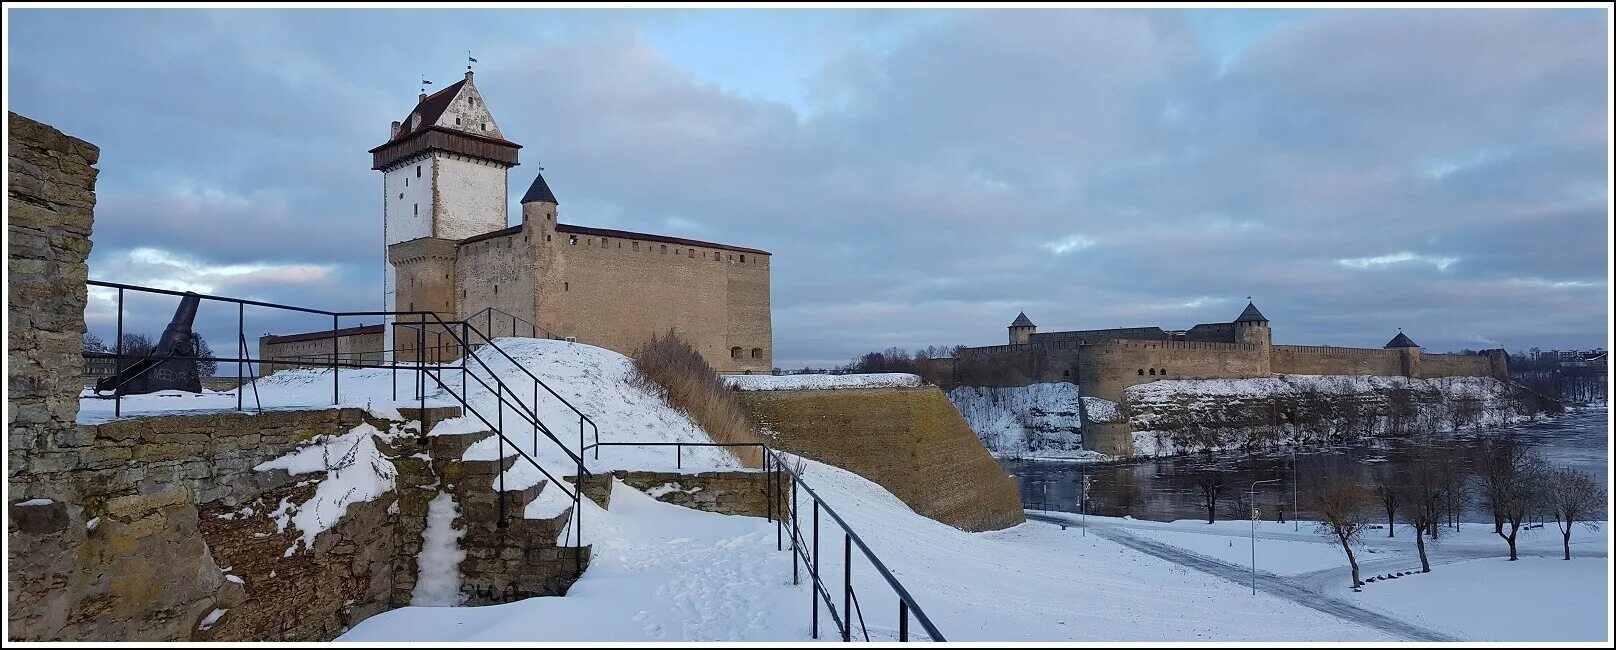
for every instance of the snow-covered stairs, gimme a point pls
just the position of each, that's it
(507, 558)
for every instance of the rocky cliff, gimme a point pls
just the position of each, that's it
(1188, 416)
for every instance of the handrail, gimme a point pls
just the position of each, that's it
(421, 367)
(514, 319)
(541, 384)
(907, 603)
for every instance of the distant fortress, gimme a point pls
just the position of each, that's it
(1104, 362)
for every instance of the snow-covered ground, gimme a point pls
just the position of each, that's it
(665, 573)
(824, 382)
(299, 389)
(1472, 593)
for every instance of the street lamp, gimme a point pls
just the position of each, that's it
(1085, 504)
(1253, 494)
(1295, 503)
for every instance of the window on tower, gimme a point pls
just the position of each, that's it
(417, 171)
(457, 121)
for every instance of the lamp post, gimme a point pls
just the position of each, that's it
(1253, 494)
(1295, 503)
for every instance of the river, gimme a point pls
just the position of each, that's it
(1165, 489)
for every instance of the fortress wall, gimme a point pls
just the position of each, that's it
(1010, 366)
(1454, 365)
(497, 272)
(1327, 360)
(911, 441)
(1108, 368)
(616, 293)
(750, 321)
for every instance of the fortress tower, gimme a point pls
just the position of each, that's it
(444, 176)
(1022, 329)
(1252, 327)
(1408, 353)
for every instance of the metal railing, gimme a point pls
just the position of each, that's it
(805, 549)
(460, 334)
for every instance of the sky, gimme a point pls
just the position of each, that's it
(919, 176)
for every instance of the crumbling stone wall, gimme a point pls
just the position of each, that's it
(50, 201)
(744, 493)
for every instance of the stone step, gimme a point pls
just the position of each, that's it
(431, 416)
(597, 488)
(479, 469)
(451, 446)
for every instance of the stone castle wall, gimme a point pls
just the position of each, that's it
(617, 292)
(1327, 360)
(911, 441)
(50, 201)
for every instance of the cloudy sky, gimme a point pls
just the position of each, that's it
(919, 176)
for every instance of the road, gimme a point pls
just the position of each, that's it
(1273, 585)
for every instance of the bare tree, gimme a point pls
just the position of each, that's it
(93, 343)
(1422, 500)
(1342, 504)
(1511, 476)
(1210, 483)
(1386, 490)
(1572, 497)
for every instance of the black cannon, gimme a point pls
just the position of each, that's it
(171, 365)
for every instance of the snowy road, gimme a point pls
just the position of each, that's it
(1270, 584)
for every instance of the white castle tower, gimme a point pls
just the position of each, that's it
(444, 175)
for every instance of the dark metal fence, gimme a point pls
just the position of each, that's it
(805, 548)
(457, 335)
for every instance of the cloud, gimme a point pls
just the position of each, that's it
(1440, 263)
(1069, 244)
(931, 177)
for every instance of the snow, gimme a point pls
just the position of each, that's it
(665, 573)
(462, 424)
(824, 382)
(296, 389)
(355, 471)
(438, 563)
(1102, 410)
(34, 503)
(1472, 593)
(596, 381)
(1536, 598)
(1038, 421)
(211, 619)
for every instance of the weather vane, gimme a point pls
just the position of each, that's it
(469, 60)
(424, 84)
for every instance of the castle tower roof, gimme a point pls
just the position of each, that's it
(1022, 321)
(1401, 341)
(1251, 315)
(539, 191)
(454, 119)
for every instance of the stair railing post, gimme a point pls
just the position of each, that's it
(334, 393)
(499, 464)
(241, 334)
(795, 533)
(847, 586)
(813, 573)
(903, 619)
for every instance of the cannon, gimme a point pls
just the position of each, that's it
(171, 365)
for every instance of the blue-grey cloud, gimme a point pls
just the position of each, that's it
(1440, 171)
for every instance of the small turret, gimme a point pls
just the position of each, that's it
(1401, 341)
(1408, 353)
(1251, 326)
(1022, 329)
(539, 203)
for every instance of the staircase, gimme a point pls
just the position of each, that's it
(508, 556)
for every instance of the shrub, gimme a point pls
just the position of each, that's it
(670, 367)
